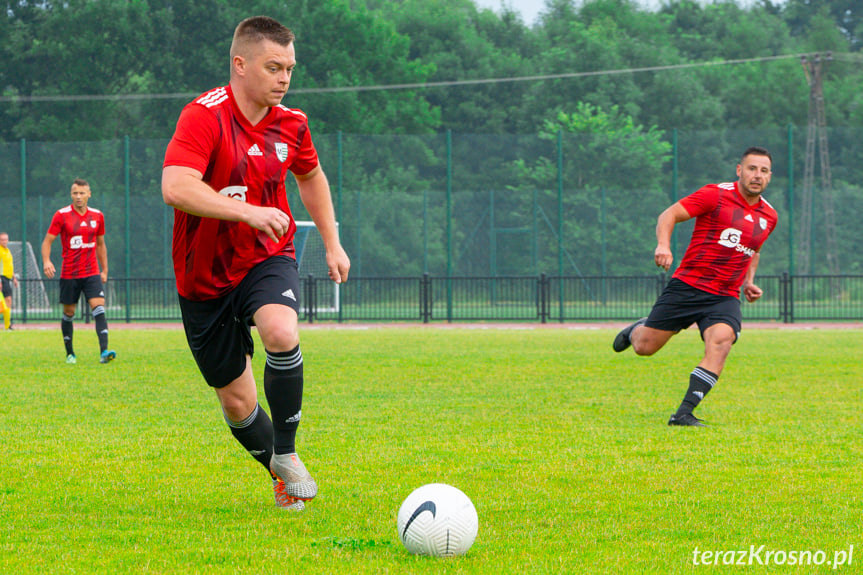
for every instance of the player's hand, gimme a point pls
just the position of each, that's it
(338, 264)
(752, 292)
(663, 258)
(48, 270)
(272, 221)
(104, 275)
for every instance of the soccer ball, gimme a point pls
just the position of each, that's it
(438, 520)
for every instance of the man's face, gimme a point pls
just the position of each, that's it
(754, 174)
(267, 72)
(4, 240)
(80, 196)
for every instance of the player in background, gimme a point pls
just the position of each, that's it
(732, 221)
(7, 276)
(234, 259)
(82, 235)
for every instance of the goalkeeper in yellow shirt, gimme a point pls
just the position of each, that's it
(7, 276)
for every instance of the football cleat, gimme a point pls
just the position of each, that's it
(298, 482)
(687, 420)
(107, 356)
(71, 358)
(622, 341)
(284, 500)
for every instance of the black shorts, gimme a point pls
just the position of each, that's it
(7, 286)
(219, 330)
(70, 289)
(680, 305)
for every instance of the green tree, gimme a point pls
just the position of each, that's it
(613, 175)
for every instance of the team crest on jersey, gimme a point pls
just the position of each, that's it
(763, 223)
(281, 151)
(93, 224)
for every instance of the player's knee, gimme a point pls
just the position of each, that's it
(281, 338)
(721, 347)
(645, 342)
(237, 408)
(644, 348)
(720, 341)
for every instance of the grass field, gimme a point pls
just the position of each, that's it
(561, 444)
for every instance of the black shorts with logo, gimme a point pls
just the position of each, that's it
(219, 330)
(71, 288)
(680, 305)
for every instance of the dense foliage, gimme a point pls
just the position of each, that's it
(84, 48)
(720, 75)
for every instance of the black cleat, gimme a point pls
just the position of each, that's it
(686, 420)
(621, 340)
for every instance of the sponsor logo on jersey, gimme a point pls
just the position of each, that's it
(236, 192)
(255, 151)
(281, 151)
(77, 243)
(730, 238)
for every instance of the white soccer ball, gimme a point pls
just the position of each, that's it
(438, 520)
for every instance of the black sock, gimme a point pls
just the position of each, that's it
(255, 433)
(101, 326)
(67, 327)
(701, 382)
(283, 385)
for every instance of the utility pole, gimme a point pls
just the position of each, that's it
(816, 131)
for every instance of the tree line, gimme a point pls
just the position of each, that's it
(78, 49)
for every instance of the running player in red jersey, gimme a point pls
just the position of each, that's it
(82, 234)
(732, 223)
(224, 174)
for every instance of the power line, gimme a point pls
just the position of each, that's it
(413, 86)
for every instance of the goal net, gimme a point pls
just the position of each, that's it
(312, 260)
(33, 288)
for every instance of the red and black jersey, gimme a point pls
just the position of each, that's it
(248, 163)
(728, 232)
(78, 234)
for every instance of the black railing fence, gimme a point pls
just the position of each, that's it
(427, 299)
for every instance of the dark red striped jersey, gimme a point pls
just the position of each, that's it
(728, 232)
(248, 163)
(78, 236)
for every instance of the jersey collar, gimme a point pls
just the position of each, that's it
(241, 117)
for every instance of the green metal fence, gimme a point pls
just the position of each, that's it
(430, 299)
(460, 205)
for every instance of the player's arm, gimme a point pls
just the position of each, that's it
(750, 290)
(665, 223)
(102, 257)
(315, 194)
(47, 266)
(184, 189)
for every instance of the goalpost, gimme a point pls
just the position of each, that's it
(37, 295)
(312, 260)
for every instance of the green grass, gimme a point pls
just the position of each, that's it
(560, 443)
